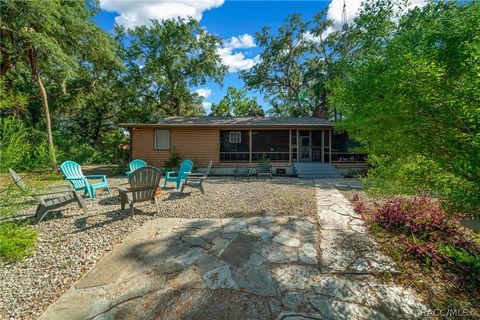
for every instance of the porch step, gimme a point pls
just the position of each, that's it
(314, 170)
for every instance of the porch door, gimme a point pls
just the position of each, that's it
(305, 149)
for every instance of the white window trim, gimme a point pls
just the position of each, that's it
(155, 139)
(235, 133)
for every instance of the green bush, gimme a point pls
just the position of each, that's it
(462, 257)
(16, 240)
(174, 160)
(21, 148)
(418, 174)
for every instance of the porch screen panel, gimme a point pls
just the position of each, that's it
(342, 146)
(294, 145)
(234, 146)
(326, 147)
(317, 145)
(272, 144)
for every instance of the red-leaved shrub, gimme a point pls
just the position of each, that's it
(422, 251)
(418, 215)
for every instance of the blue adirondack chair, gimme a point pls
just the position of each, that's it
(73, 173)
(179, 176)
(134, 165)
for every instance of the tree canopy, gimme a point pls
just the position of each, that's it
(295, 64)
(165, 60)
(237, 104)
(411, 97)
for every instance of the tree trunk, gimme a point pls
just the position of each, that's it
(177, 108)
(48, 122)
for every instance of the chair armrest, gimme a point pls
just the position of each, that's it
(195, 174)
(52, 193)
(96, 176)
(167, 174)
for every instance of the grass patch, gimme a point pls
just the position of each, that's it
(17, 240)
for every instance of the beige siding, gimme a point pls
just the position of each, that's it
(200, 145)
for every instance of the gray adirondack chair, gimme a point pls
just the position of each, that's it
(195, 180)
(49, 201)
(143, 185)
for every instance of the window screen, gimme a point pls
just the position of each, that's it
(162, 139)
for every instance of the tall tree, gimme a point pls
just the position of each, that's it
(294, 66)
(166, 59)
(410, 95)
(51, 37)
(236, 103)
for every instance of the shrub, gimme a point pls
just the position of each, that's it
(174, 159)
(16, 240)
(21, 148)
(418, 215)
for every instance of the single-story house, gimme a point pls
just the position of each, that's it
(230, 140)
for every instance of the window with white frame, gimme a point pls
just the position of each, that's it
(162, 139)
(235, 137)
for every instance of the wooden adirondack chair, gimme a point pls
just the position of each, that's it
(144, 183)
(134, 165)
(195, 180)
(179, 176)
(73, 173)
(48, 201)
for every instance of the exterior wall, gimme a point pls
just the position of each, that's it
(201, 145)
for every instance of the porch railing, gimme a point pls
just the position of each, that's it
(256, 156)
(348, 157)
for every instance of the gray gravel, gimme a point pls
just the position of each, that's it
(70, 243)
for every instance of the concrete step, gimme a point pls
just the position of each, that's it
(316, 171)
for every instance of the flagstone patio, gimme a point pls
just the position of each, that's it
(254, 268)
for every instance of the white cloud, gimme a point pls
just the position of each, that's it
(207, 106)
(308, 36)
(236, 61)
(241, 42)
(204, 92)
(352, 8)
(135, 13)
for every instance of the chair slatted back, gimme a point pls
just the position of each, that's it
(185, 168)
(242, 169)
(22, 186)
(144, 183)
(264, 168)
(136, 164)
(71, 169)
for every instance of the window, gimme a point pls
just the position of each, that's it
(162, 139)
(235, 137)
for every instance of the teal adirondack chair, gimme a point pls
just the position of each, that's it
(73, 173)
(179, 176)
(134, 165)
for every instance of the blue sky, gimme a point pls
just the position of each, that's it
(234, 21)
(230, 19)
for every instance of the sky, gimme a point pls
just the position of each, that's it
(234, 21)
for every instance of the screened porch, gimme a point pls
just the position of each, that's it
(286, 146)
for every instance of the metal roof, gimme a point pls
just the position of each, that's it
(235, 122)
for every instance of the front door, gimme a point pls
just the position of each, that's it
(305, 149)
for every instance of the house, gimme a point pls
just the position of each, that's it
(286, 141)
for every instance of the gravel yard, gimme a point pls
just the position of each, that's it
(70, 243)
